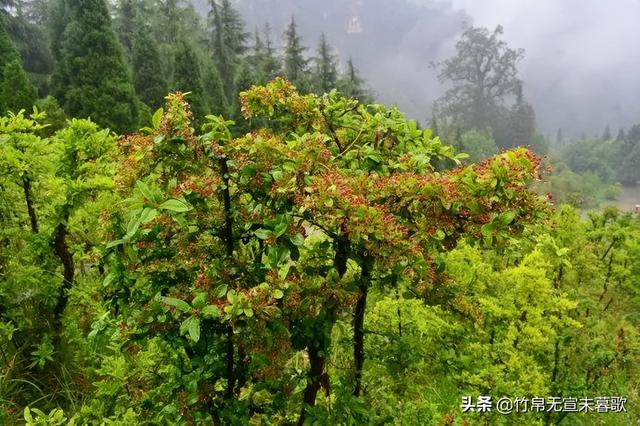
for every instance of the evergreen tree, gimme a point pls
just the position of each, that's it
(58, 20)
(55, 118)
(125, 25)
(352, 85)
(8, 52)
(91, 77)
(326, 67)
(263, 59)
(560, 137)
(621, 135)
(228, 43)
(270, 66)
(214, 90)
(148, 76)
(188, 78)
(16, 91)
(521, 125)
(606, 135)
(295, 64)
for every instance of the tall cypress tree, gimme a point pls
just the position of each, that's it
(295, 64)
(264, 59)
(214, 90)
(16, 91)
(228, 42)
(8, 52)
(91, 77)
(58, 19)
(148, 76)
(353, 86)
(125, 25)
(188, 78)
(326, 67)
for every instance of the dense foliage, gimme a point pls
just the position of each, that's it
(315, 270)
(267, 245)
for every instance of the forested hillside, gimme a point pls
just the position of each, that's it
(203, 224)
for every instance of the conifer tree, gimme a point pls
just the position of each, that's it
(263, 59)
(352, 85)
(91, 77)
(58, 18)
(295, 64)
(188, 78)
(213, 88)
(228, 43)
(326, 67)
(125, 25)
(148, 76)
(16, 91)
(606, 135)
(8, 52)
(271, 66)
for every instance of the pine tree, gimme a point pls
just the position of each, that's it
(214, 90)
(125, 25)
(91, 77)
(295, 64)
(58, 19)
(606, 135)
(16, 91)
(148, 76)
(263, 59)
(326, 67)
(8, 52)
(270, 67)
(352, 85)
(621, 135)
(228, 43)
(188, 78)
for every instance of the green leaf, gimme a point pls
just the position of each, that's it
(115, 243)
(192, 326)
(157, 118)
(199, 301)
(147, 215)
(263, 234)
(278, 294)
(281, 228)
(507, 217)
(132, 226)
(175, 206)
(146, 191)
(177, 303)
(297, 240)
(221, 290)
(194, 329)
(487, 229)
(211, 312)
(248, 312)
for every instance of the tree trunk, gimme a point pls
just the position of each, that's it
(229, 243)
(318, 348)
(358, 325)
(61, 248)
(33, 218)
(317, 378)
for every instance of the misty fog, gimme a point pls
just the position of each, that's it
(579, 68)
